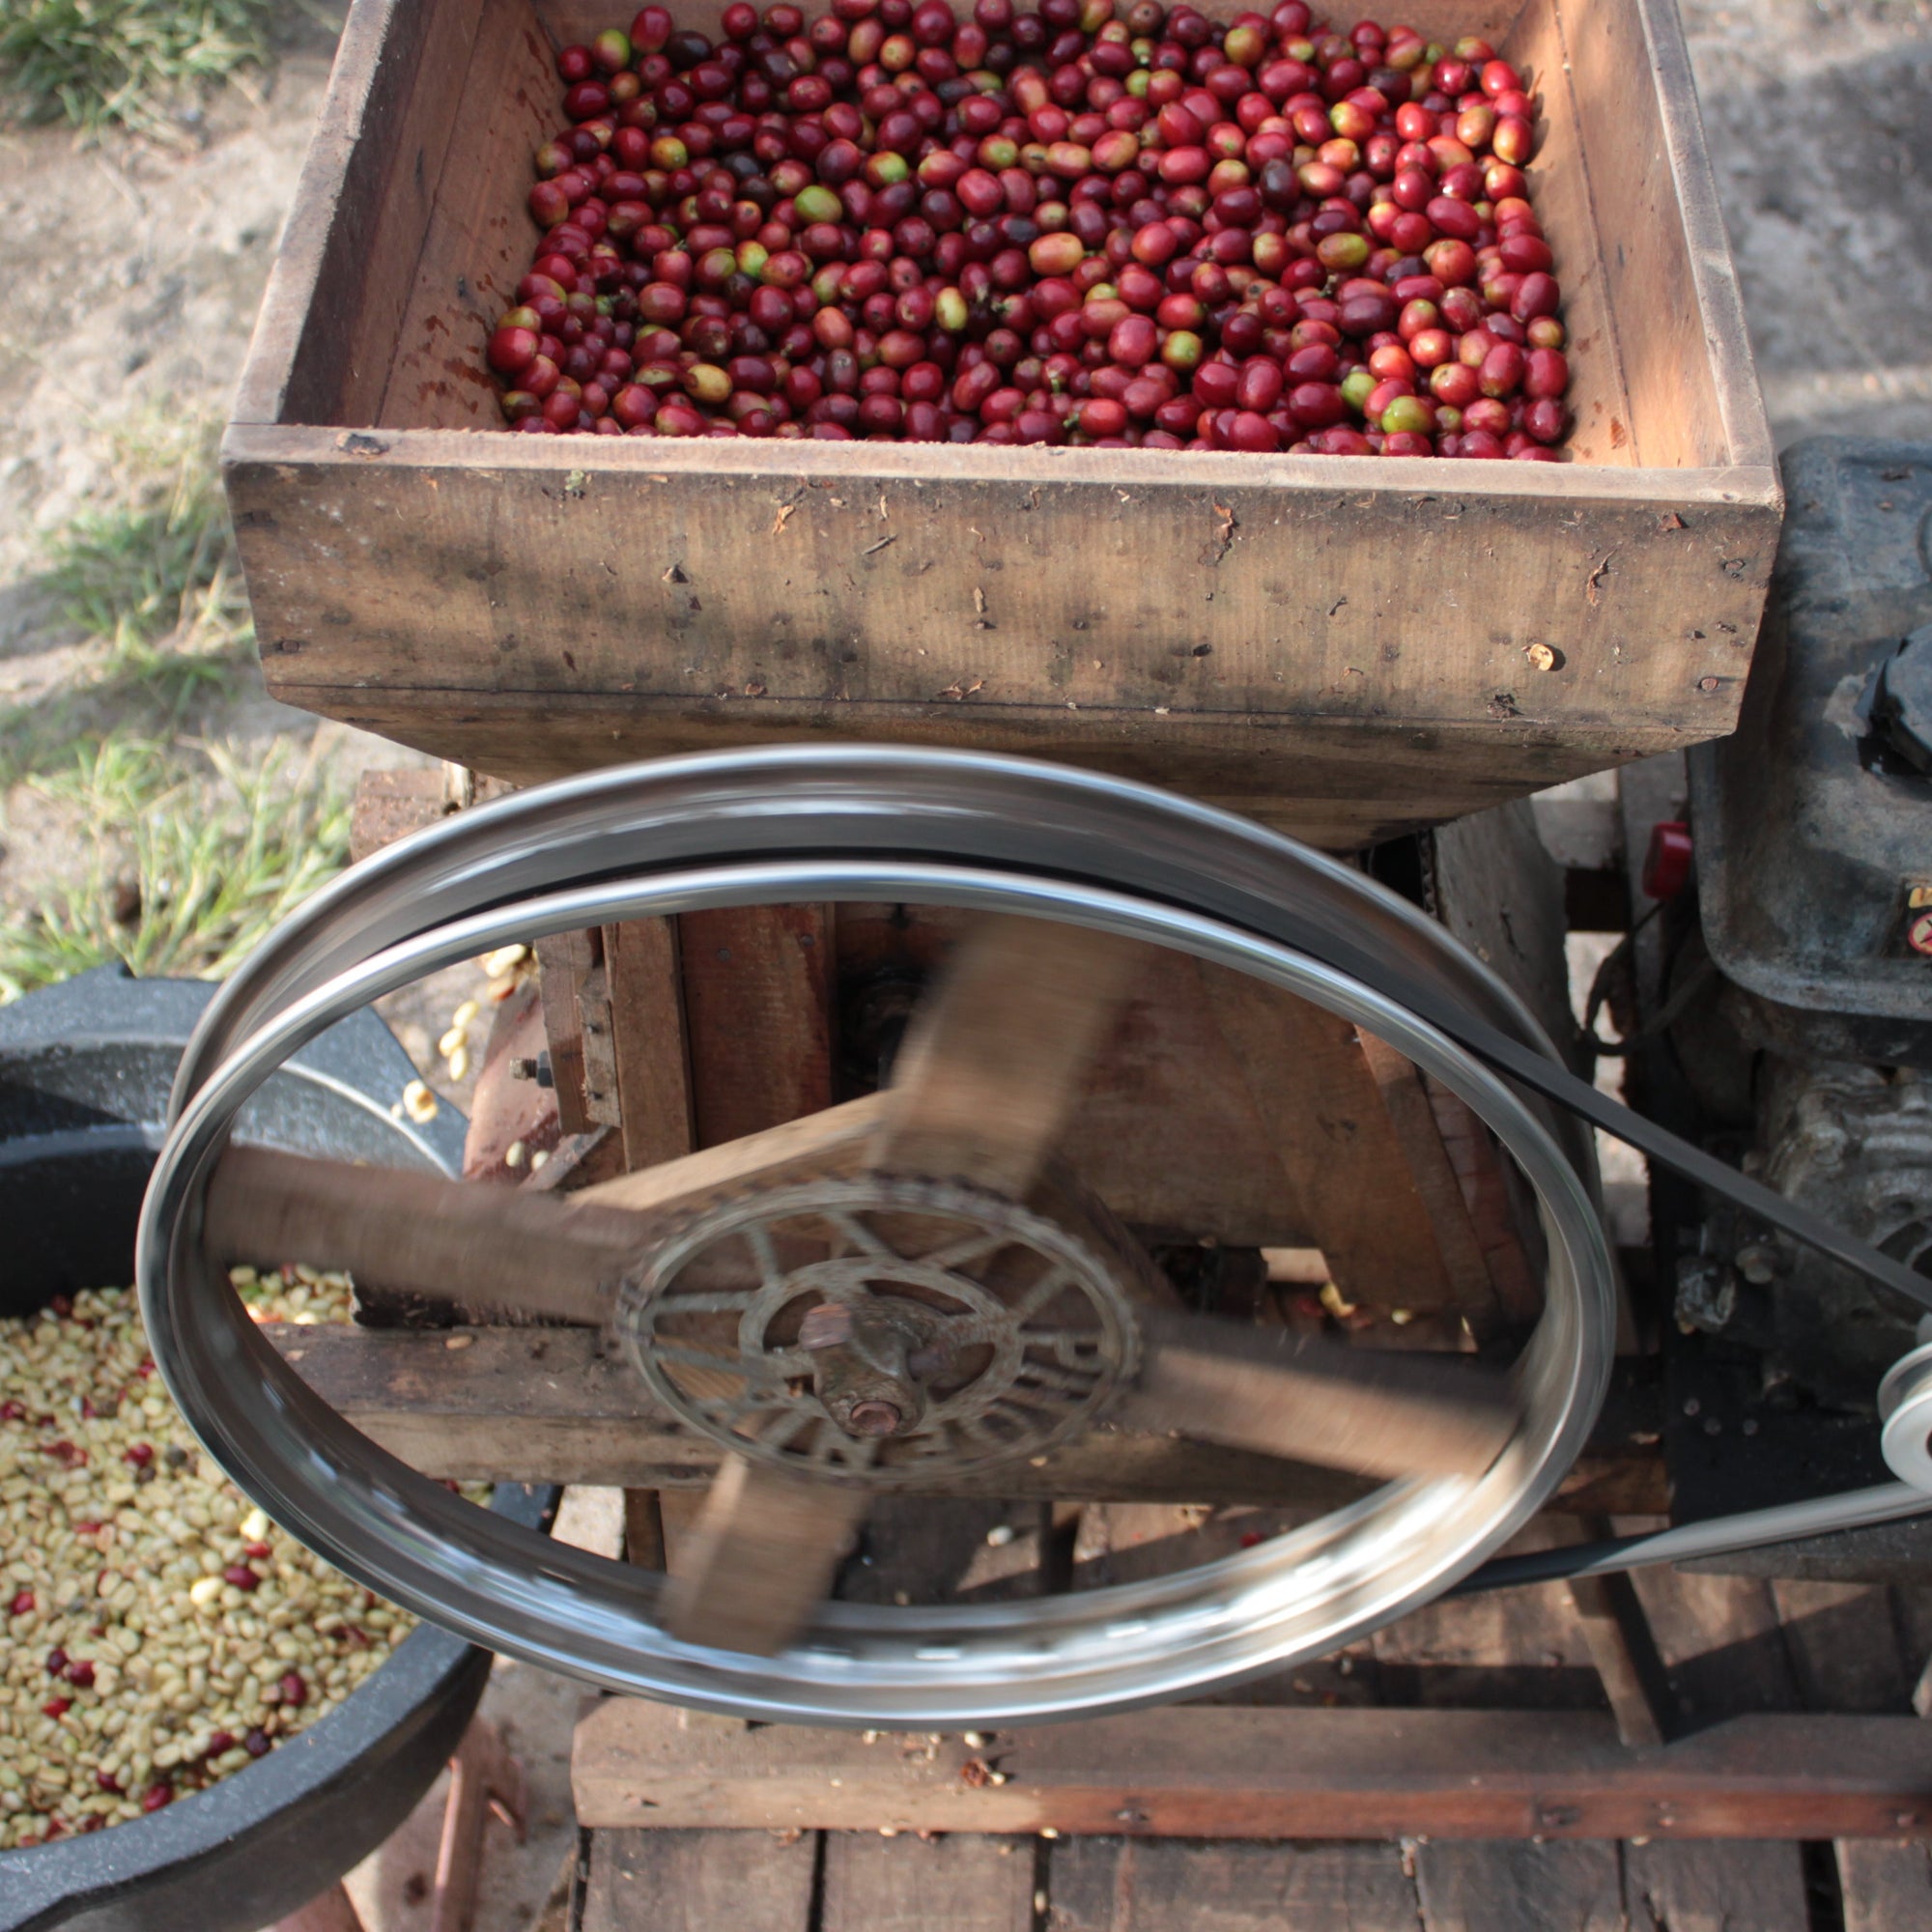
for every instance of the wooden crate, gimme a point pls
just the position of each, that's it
(1342, 647)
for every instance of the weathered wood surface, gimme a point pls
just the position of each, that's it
(1231, 1773)
(561, 1405)
(1742, 1884)
(1129, 1884)
(1673, 294)
(761, 1557)
(1519, 1887)
(652, 1061)
(1885, 1887)
(1348, 1158)
(1253, 694)
(961, 1884)
(757, 1012)
(569, 980)
(698, 1881)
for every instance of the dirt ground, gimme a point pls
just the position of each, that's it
(133, 274)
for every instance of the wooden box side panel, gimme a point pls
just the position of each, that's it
(1270, 596)
(337, 301)
(1565, 199)
(1681, 338)
(477, 235)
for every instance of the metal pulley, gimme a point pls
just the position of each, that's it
(1905, 1414)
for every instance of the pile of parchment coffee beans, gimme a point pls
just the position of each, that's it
(160, 1632)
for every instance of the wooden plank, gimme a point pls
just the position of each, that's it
(565, 962)
(320, 336)
(1885, 1887)
(875, 1884)
(1412, 1121)
(1737, 1885)
(1517, 1887)
(1262, 1773)
(698, 1880)
(1131, 1884)
(1627, 1659)
(1381, 1412)
(689, 647)
(757, 1005)
(597, 1041)
(1680, 321)
(1338, 784)
(561, 1405)
(1562, 186)
(1722, 1642)
(1844, 1648)
(1523, 1649)
(652, 1066)
(474, 1245)
(1330, 1128)
(476, 247)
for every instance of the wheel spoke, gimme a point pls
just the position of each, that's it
(1374, 1412)
(761, 1558)
(995, 1056)
(470, 1242)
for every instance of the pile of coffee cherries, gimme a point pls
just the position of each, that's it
(1108, 222)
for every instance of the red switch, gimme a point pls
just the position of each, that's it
(1667, 866)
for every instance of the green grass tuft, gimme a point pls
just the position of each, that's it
(192, 860)
(153, 573)
(96, 63)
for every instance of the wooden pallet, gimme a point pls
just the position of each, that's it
(1460, 1766)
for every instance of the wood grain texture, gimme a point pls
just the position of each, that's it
(1885, 1887)
(471, 1244)
(519, 1404)
(1380, 1412)
(758, 1009)
(1130, 1885)
(916, 1884)
(1518, 1888)
(698, 1881)
(1679, 320)
(1260, 1774)
(1843, 1642)
(565, 962)
(1727, 1886)
(1344, 1158)
(652, 1061)
(1576, 224)
(1079, 644)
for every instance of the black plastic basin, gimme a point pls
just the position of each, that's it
(84, 1075)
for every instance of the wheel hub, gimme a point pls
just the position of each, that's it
(884, 1330)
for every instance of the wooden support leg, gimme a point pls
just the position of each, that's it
(1353, 1129)
(483, 1777)
(1624, 1653)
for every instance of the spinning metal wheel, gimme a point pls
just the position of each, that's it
(903, 1289)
